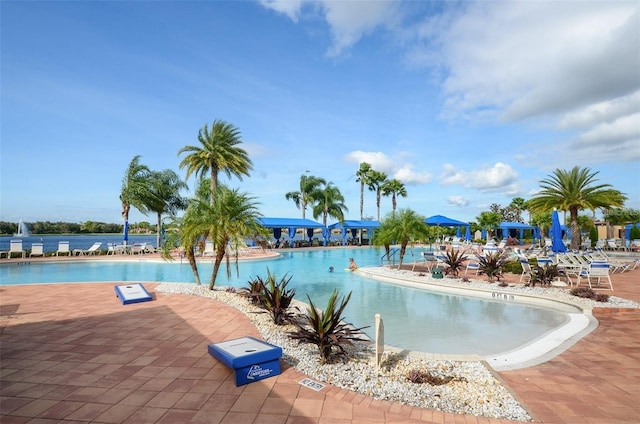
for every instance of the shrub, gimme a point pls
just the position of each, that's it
(276, 298)
(491, 264)
(593, 235)
(585, 292)
(254, 290)
(513, 267)
(455, 260)
(601, 297)
(326, 329)
(543, 275)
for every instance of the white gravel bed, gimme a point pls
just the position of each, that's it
(472, 390)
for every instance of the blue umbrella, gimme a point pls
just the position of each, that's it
(126, 232)
(467, 233)
(458, 232)
(556, 234)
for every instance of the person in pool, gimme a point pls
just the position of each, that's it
(330, 269)
(352, 265)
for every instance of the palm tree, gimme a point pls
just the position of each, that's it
(404, 226)
(134, 188)
(219, 152)
(575, 190)
(394, 188)
(489, 221)
(329, 202)
(376, 180)
(362, 175)
(234, 218)
(308, 184)
(165, 198)
(520, 205)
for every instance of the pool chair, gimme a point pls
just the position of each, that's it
(63, 248)
(597, 271)
(526, 271)
(37, 249)
(90, 251)
(15, 246)
(472, 266)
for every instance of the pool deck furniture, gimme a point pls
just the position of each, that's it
(90, 251)
(63, 248)
(37, 249)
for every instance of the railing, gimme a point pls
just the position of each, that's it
(391, 256)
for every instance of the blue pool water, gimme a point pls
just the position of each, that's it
(414, 319)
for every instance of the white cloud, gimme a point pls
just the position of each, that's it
(497, 178)
(291, 8)
(398, 167)
(348, 21)
(457, 201)
(573, 65)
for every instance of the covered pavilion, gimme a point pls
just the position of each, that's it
(292, 224)
(353, 226)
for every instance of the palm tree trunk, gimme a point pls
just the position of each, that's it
(216, 266)
(191, 257)
(361, 201)
(158, 230)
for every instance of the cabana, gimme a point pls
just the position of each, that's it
(352, 225)
(443, 221)
(511, 227)
(292, 224)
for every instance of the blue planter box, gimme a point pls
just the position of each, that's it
(251, 359)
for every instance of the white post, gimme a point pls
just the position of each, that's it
(379, 340)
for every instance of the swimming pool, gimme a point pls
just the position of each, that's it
(415, 319)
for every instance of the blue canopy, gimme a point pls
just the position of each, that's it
(506, 226)
(291, 223)
(353, 225)
(627, 229)
(443, 221)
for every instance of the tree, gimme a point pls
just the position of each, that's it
(219, 152)
(519, 205)
(164, 196)
(394, 188)
(622, 216)
(134, 187)
(575, 190)
(329, 202)
(362, 175)
(489, 221)
(376, 180)
(308, 185)
(404, 226)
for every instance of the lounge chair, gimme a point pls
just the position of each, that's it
(90, 251)
(15, 246)
(37, 249)
(472, 265)
(596, 270)
(526, 270)
(138, 248)
(63, 248)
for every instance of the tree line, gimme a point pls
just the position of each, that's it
(87, 227)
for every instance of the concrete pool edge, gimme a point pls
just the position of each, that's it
(580, 322)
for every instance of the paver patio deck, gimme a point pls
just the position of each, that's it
(74, 353)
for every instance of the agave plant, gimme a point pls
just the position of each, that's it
(254, 291)
(491, 264)
(544, 274)
(455, 260)
(276, 298)
(326, 329)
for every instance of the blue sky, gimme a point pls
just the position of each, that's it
(467, 103)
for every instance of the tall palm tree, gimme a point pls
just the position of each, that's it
(165, 198)
(308, 185)
(394, 188)
(362, 175)
(218, 152)
(135, 188)
(376, 181)
(575, 190)
(404, 227)
(329, 202)
(520, 205)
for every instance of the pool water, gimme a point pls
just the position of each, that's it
(414, 319)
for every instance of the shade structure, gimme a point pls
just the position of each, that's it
(467, 233)
(354, 226)
(443, 221)
(556, 233)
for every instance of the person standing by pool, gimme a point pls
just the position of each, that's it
(352, 265)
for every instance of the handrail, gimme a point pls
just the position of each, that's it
(390, 256)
